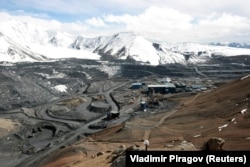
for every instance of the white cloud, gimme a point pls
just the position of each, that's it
(96, 22)
(96, 8)
(56, 6)
(47, 24)
(160, 23)
(171, 25)
(222, 27)
(153, 19)
(195, 8)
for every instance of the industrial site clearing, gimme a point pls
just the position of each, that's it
(88, 113)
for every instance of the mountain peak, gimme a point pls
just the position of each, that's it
(126, 33)
(34, 38)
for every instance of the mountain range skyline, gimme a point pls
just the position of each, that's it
(30, 41)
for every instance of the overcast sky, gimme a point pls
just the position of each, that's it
(167, 20)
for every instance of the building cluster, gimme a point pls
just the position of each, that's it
(155, 88)
(166, 86)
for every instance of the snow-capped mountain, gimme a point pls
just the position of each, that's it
(128, 45)
(27, 41)
(12, 51)
(31, 33)
(232, 44)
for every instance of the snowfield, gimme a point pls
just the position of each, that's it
(30, 40)
(61, 88)
(52, 52)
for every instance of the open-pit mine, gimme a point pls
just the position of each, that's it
(79, 112)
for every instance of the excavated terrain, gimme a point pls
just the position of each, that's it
(58, 113)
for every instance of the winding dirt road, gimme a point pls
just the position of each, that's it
(72, 136)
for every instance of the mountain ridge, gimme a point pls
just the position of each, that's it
(44, 44)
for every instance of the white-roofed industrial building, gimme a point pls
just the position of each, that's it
(163, 89)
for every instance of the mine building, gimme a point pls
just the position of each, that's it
(163, 89)
(113, 115)
(143, 106)
(137, 85)
(198, 88)
(180, 87)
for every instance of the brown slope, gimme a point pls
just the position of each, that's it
(200, 118)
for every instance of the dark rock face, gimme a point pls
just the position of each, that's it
(214, 144)
(119, 162)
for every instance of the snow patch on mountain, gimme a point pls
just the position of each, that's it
(143, 50)
(166, 56)
(63, 53)
(61, 88)
(59, 39)
(110, 70)
(30, 33)
(87, 43)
